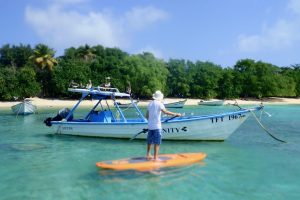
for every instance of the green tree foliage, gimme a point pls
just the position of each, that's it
(67, 71)
(9, 83)
(228, 87)
(86, 53)
(178, 78)
(146, 74)
(293, 72)
(205, 76)
(261, 79)
(296, 77)
(26, 72)
(43, 59)
(108, 62)
(27, 83)
(43, 56)
(15, 56)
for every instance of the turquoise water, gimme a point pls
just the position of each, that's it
(35, 164)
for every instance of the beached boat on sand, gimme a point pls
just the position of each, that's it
(177, 104)
(24, 108)
(126, 105)
(213, 102)
(101, 121)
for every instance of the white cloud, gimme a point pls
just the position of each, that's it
(66, 2)
(64, 28)
(70, 28)
(294, 6)
(156, 52)
(140, 17)
(281, 35)
(284, 33)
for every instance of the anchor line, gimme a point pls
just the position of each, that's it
(266, 130)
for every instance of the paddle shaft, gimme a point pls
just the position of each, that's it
(169, 119)
(145, 130)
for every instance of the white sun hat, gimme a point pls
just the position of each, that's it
(158, 95)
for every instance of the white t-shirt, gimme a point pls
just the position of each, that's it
(154, 110)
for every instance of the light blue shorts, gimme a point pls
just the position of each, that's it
(154, 136)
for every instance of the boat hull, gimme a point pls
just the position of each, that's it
(127, 105)
(24, 108)
(211, 103)
(212, 127)
(178, 104)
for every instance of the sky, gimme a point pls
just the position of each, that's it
(221, 32)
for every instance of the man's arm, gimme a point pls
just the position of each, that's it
(147, 115)
(170, 113)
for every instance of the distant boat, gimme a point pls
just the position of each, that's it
(177, 104)
(24, 108)
(126, 105)
(213, 102)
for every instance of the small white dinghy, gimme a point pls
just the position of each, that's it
(213, 102)
(177, 104)
(126, 105)
(24, 108)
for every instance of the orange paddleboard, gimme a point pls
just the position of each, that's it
(142, 164)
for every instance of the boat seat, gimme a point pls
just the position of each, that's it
(101, 116)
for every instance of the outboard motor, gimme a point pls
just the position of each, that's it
(62, 114)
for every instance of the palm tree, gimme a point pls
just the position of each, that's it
(43, 56)
(87, 53)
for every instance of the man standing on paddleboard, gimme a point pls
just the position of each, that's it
(153, 115)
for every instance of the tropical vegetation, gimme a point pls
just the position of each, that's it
(27, 71)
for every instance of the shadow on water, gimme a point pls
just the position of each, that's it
(18, 147)
(138, 147)
(86, 139)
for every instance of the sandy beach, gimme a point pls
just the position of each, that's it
(44, 103)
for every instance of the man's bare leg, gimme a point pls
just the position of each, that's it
(156, 150)
(148, 156)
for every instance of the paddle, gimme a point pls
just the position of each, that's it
(145, 130)
(170, 119)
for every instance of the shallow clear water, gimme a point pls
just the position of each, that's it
(35, 164)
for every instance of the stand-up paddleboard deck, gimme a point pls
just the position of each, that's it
(144, 164)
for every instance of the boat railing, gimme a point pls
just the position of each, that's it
(107, 89)
(104, 93)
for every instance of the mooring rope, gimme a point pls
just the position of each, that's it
(267, 131)
(259, 122)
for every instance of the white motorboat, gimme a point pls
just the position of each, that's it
(102, 121)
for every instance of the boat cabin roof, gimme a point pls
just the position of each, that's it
(100, 92)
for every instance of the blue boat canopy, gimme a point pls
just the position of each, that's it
(100, 92)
